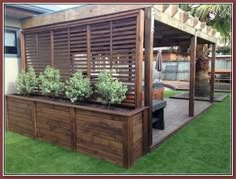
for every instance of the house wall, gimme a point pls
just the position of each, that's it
(12, 63)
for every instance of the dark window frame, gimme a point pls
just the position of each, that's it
(12, 51)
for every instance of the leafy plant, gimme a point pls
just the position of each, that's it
(110, 89)
(50, 83)
(78, 88)
(26, 82)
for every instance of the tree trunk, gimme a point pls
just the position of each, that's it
(202, 86)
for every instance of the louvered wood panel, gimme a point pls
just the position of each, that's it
(109, 44)
(61, 52)
(78, 49)
(43, 50)
(100, 48)
(31, 51)
(124, 53)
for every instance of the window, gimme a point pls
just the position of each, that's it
(11, 42)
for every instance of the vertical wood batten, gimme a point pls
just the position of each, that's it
(37, 48)
(23, 57)
(35, 119)
(139, 58)
(149, 35)
(111, 45)
(88, 52)
(73, 122)
(213, 72)
(68, 51)
(126, 147)
(192, 74)
(52, 49)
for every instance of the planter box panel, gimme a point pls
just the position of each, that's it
(99, 135)
(20, 117)
(115, 135)
(137, 136)
(54, 124)
(100, 154)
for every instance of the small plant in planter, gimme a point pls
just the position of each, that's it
(50, 82)
(110, 90)
(78, 88)
(26, 82)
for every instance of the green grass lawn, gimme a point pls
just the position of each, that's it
(202, 147)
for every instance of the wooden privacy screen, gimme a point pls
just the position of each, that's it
(113, 42)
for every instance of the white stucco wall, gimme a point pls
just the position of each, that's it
(12, 68)
(11, 62)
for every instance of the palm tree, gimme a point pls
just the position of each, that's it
(221, 22)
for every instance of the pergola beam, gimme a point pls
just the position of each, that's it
(192, 74)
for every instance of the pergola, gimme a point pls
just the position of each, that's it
(157, 26)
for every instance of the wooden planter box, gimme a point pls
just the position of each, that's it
(116, 136)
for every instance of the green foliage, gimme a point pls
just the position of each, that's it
(50, 82)
(222, 21)
(110, 89)
(26, 82)
(78, 88)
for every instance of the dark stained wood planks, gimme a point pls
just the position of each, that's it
(117, 137)
(50, 124)
(20, 116)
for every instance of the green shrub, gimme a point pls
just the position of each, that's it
(26, 82)
(110, 90)
(78, 88)
(50, 82)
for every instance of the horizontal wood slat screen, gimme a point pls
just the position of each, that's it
(109, 44)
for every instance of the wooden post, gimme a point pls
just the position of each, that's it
(88, 52)
(192, 75)
(52, 49)
(23, 59)
(139, 59)
(145, 131)
(149, 34)
(213, 73)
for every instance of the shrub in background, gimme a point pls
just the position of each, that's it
(110, 90)
(78, 88)
(26, 82)
(50, 82)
